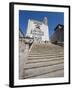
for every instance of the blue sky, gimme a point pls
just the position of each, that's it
(54, 18)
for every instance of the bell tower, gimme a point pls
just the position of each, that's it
(45, 21)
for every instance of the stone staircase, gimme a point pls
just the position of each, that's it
(45, 60)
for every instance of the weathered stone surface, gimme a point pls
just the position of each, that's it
(42, 60)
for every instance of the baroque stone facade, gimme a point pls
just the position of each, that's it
(38, 30)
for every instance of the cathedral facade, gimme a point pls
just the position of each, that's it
(38, 30)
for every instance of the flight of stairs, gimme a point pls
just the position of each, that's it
(44, 61)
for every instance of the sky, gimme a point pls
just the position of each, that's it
(54, 18)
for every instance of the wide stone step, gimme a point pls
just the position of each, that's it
(34, 47)
(41, 64)
(55, 73)
(47, 48)
(46, 51)
(36, 53)
(38, 58)
(33, 72)
(44, 55)
(43, 60)
(45, 45)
